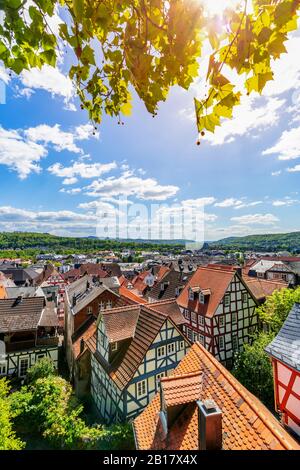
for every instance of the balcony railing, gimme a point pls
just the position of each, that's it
(30, 344)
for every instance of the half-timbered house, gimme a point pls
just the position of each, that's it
(220, 311)
(135, 346)
(28, 332)
(284, 351)
(201, 406)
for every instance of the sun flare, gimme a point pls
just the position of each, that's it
(215, 7)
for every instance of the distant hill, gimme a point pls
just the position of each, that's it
(267, 242)
(45, 242)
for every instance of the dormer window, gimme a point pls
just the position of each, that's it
(114, 347)
(191, 295)
(101, 306)
(109, 304)
(90, 310)
(201, 298)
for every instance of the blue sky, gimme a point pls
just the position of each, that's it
(54, 173)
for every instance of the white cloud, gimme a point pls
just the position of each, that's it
(287, 201)
(61, 140)
(255, 219)
(21, 150)
(229, 202)
(276, 173)
(20, 154)
(199, 202)
(127, 185)
(248, 204)
(80, 169)
(253, 115)
(295, 169)
(49, 79)
(288, 145)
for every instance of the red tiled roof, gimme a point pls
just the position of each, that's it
(247, 423)
(262, 288)
(124, 292)
(163, 270)
(169, 307)
(181, 389)
(214, 277)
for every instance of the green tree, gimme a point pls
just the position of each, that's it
(277, 307)
(41, 369)
(8, 438)
(253, 369)
(150, 46)
(48, 408)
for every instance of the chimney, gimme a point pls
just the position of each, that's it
(74, 300)
(209, 425)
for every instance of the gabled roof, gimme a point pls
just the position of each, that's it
(262, 288)
(279, 267)
(171, 280)
(138, 323)
(21, 315)
(86, 334)
(128, 294)
(24, 291)
(89, 295)
(213, 278)
(247, 423)
(181, 389)
(286, 345)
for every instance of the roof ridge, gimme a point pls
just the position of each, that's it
(241, 390)
(120, 309)
(180, 376)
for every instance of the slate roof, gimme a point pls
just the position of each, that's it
(20, 316)
(19, 274)
(24, 291)
(171, 280)
(286, 345)
(49, 316)
(246, 423)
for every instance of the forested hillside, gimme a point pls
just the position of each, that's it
(268, 242)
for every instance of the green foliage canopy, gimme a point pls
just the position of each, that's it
(150, 45)
(253, 369)
(8, 439)
(277, 307)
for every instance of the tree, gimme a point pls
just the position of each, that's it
(253, 369)
(48, 408)
(41, 369)
(8, 439)
(277, 307)
(150, 45)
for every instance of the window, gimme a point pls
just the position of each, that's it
(234, 318)
(2, 369)
(102, 339)
(194, 317)
(39, 356)
(23, 366)
(141, 388)
(195, 337)
(114, 346)
(187, 314)
(201, 320)
(161, 351)
(101, 306)
(189, 334)
(158, 377)
(221, 321)
(235, 343)
(221, 343)
(109, 304)
(244, 297)
(201, 298)
(181, 345)
(191, 295)
(90, 310)
(201, 339)
(227, 300)
(171, 348)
